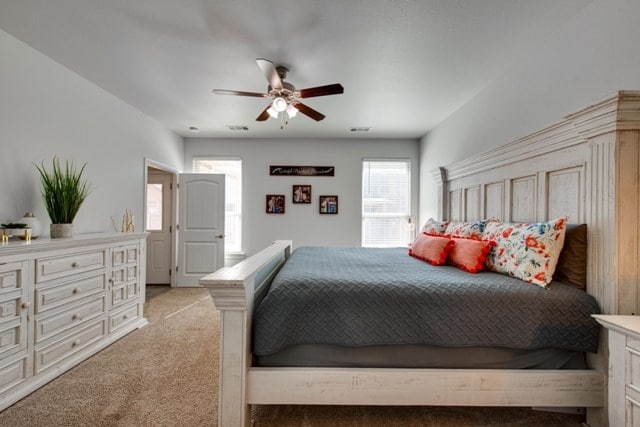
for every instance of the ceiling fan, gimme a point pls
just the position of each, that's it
(286, 99)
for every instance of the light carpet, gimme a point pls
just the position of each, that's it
(165, 374)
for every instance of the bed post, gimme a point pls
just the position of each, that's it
(440, 176)
(233, 409)
(232, 290)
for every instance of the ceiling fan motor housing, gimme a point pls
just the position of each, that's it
(287, 90)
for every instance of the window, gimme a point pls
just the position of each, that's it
(154, 207)
(232, 169)
(386, 202)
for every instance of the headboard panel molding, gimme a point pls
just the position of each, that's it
(587, 167)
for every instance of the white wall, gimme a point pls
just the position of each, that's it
(593, 56)
(302, 223)
(46, 111)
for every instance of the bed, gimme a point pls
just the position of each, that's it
(379, 307)
(580, 167)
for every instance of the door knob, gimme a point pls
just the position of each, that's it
(219, 236)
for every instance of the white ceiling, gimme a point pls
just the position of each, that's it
(405, 65)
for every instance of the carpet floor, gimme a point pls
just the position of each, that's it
(165, 374)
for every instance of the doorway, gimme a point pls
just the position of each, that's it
(159, 215)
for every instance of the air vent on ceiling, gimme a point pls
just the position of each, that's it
(238, 127)
(360, 129)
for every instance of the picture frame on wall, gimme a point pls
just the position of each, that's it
(301, 194)
(329, 204)
(274, 203)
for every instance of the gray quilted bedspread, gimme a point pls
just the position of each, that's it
(370, 296)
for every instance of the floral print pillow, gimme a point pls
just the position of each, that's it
(469, 230)
(528, 251)
(436, 228)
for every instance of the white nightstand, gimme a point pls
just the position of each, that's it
(624, 369)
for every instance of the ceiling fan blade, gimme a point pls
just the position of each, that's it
(264, 115)
(334, 89)
(308, 111)
(238, 93)
(270, 72)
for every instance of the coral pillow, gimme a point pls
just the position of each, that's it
(469, 254)
(527, 251)
(432, 249)
(434, 227)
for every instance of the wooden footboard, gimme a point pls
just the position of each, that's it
(234, 289)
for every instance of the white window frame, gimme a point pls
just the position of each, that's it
(231, 218)
(403, 217)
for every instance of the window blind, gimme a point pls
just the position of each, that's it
(386, 202)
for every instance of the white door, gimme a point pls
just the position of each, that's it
(159, 227)
(200, 226)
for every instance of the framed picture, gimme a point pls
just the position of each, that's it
(328, 204)
(301, 194)
(275, 204)
(301, 170)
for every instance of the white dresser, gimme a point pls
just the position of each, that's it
(63, 300)
(624, 369)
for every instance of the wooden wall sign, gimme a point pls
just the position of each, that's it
(301, 170)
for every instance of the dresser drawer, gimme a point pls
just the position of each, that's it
(61, 266)
(59, 349)
(69, 318)
(12, 372)
(11, 276)
(124, 316)
(54, 296)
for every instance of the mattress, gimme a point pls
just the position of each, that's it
(423, 356)
(357, 297)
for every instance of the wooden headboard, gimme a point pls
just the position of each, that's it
(587, 166)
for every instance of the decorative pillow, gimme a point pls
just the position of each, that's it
(469, 254)
(572, 264)
(432, 249)
(470, 230)
(527, 251)
(434, 227)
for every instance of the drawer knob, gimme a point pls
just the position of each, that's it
(25, 304)
(76, 317)
(75, 343)
(75, 264)
(75, 291)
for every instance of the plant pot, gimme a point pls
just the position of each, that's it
(61, 230)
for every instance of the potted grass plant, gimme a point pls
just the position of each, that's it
(63, 191)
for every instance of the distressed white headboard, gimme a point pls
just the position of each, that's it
(587, 166)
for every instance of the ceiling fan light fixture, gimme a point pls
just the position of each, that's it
(279, 104)
(291, 111)
(272, 112)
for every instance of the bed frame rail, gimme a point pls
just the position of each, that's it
(424, 387)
